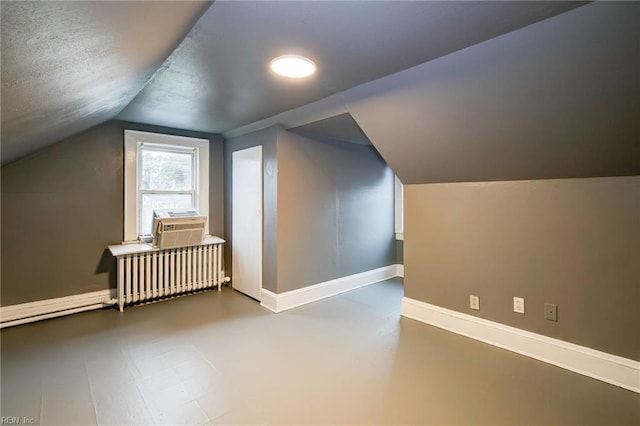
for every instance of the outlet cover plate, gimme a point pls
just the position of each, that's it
(474, 302)
(518, 305)
(551, 311)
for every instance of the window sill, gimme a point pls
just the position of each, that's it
(138, 247)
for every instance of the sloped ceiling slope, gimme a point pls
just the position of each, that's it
(341, 127)
(67, 66)
(558, 99)
(218, 79)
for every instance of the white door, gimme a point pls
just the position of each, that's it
(246, 244)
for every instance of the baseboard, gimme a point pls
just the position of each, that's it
(269, 300)
(608, 368)
(51, 308)
(292, 299)
(400, 272)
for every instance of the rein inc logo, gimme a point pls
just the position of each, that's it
(16, 420)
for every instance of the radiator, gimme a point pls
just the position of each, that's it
(146, 274)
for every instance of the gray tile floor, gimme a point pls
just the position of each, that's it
(219, 358)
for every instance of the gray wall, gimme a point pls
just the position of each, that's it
(328, 208)
(572, 242)
(63, 205)
(335, 210)
(557, 99)
(400, 252)
(267, 138)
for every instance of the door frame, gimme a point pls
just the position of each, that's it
(258, 155)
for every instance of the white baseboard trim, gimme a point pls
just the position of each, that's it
(269, 300)
(400, 272)
(292, 299)
(51, 308)
(612, 369)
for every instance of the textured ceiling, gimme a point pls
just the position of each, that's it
(67, 66)
(218, 79)
(559, 99)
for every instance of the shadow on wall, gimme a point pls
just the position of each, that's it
(107, 265)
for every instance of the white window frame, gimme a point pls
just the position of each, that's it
(399, 209)
(133, 140)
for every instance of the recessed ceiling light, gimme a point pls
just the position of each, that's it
(293, 66)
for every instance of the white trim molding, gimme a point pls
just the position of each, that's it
(400, 270)
(398, 202)
(609, 368)
(132, 142)
(269, 300)
(51, 308)
(294, 298)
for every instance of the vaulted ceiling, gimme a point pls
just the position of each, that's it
(67, 66)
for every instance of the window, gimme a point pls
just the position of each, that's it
(162, 172)
(399, 209)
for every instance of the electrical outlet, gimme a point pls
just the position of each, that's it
(551, 311)
(474, 302)
(518, 305)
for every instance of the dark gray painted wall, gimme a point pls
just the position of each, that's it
(556, 99)
(328, 208)
(335, 210)
(267, 138)
(63, 205)
(572, 242)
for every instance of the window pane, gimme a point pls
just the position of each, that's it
(166, 171)
(151, 202)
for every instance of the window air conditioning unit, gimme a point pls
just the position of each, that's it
(177, 228)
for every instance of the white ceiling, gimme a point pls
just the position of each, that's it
(67, 66)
